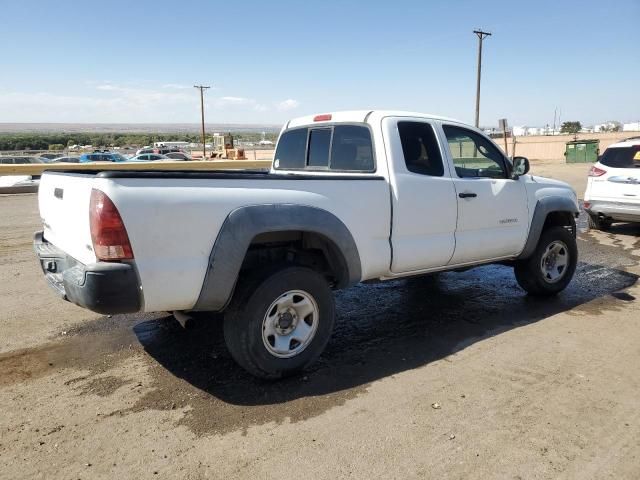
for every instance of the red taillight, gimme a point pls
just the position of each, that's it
(596, 172)
(110, 239)
(322, 118)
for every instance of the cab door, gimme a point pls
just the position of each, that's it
(423, 197)
(493, 215)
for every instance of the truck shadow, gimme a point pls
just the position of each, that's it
(382, 329)
(631, 230)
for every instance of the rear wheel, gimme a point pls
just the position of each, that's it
(279, 321)
(550, 269)
(598, 223)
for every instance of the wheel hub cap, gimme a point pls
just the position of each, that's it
(554, 262)
(286, 322)
(290, 323)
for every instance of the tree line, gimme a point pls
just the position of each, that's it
(576, 127)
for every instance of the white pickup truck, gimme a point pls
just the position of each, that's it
(351, 196)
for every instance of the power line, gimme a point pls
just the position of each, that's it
(202, 88)
(481, 35)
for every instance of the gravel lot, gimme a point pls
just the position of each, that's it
(524, 388)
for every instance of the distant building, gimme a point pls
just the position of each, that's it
(631, 127)
(611, 126)
(528, 131)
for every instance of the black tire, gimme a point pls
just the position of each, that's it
(598, 223)
(243, 324)
(529, 272)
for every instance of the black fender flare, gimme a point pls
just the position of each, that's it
(544, 207)
(243, 224)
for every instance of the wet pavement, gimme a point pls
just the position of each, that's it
(526, 387)
(382, 329)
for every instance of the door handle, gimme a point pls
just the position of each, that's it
(467, 195)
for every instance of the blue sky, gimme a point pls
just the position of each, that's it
(137, 61)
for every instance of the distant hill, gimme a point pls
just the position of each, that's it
(133, 128)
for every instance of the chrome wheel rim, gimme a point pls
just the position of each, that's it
(554, 262)
(290, 324)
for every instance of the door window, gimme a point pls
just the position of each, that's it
(420, 148)
(473, 155)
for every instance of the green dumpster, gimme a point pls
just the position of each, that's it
(582, 151)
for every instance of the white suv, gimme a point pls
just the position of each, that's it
(613, 187)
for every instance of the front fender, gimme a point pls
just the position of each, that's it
(545, 206)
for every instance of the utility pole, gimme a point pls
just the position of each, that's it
(559, 120)
(481, 36)
(202, 88)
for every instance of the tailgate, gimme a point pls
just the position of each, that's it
(624, 185)
(63, 200)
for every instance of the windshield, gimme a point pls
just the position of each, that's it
(622, 157)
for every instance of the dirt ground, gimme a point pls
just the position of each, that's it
(459, 375)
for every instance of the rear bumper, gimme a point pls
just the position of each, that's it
(102, 287)
(621, 211)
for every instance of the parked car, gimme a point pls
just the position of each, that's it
(177, 156)
(162, 150)
(50, 156)
(147, 157)
(18, 183)
(22, 160)
(613, 186)
(104, 156)
(66, 160)
(351, 196)
(145, 150)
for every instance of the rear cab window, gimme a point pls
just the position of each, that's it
(621, 157)
(341, 148)
(319, 145)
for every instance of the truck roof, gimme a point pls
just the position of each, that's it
(359, 116)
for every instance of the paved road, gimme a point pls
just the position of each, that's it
(526, 388)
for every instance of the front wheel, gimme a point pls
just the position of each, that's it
(551, 267)
(279, 321)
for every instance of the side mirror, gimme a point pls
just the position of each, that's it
(520, 167)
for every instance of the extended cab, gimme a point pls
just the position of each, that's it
(351, 196)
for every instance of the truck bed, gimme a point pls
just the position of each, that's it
(173, 218)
